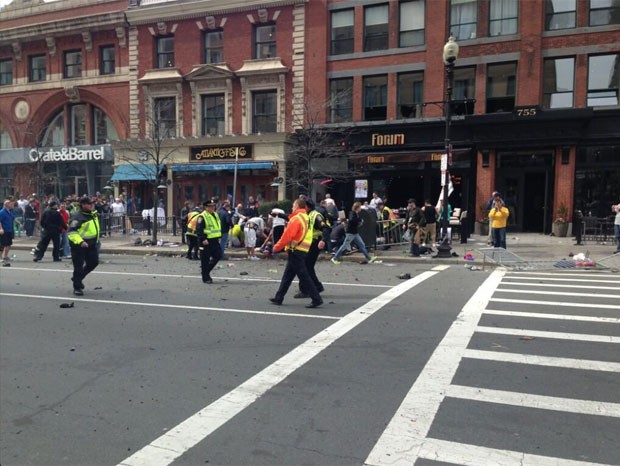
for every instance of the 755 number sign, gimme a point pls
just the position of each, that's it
(526, 112)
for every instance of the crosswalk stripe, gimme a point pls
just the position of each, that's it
(528, 400)
(552, 335)
(559, 285)
(559, 293)
(571, 279)
(555, 303)
(564, 272)
(550, 361)
(474, 455)
(543, 315)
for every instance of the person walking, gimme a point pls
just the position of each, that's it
(190, 234)
(296, 241)
(616, 209)
(227, 223)
(185, 211)
(30, 219)
(209, 232)
(7, 231)
(499, 218)
(320, 237)
(83, 233)
(65, 247)
(353, 236)
(52, 225)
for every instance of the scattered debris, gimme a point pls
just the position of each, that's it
(404, 276)
(526, 338)
(66, 305)
(243, 273)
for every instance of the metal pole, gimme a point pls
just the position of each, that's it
(234, 194)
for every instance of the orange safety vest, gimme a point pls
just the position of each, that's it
(304, 244)
(192, 220)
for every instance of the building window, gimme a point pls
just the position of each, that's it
(410, 95)
(6, 72)
(77, 125)
(265, 41)
(37, 68)
(411, 23)
(164, 49)
(503, 17)
(560, 14)
(5, 138)
(341, 100)
(603, 80)
(213, 47)
(375, 28)
(501, 86)
(103, 129)
(558, 82)
(72, 64)
(164, 118)
(375, 98)
(78, 117)
(264, 112)
(107, 60)
(603, 12)
(463, 18)
(464, 91)
(213, 122)
(341, 32)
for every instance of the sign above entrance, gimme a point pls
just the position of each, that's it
(219, 153)
(378, 140)
(69, 154)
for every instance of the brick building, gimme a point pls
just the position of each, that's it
(536, 106)
(64, 87)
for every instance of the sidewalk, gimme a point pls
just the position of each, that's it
(533, 248)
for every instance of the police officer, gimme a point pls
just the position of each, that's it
(83, 234)
(209, 232)
(190, 234)
(296, 240)
(320, 237)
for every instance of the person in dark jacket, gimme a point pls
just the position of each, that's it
(30, 219)
(52, 224)
(353, 236)
(320, 237)
(83, 233)
(226, 219)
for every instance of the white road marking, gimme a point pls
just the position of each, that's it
(474, 455)
(171, 306)
(542, 315)
(440, 268)
(559, 293)
(556, 303)
(552, 335)
(197, 277)
(571, 279)
(165, 449)
(527, 400)
(562, 272)
(558, 285)
(404, 436)
(568, 363)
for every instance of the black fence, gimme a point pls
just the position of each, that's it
(112, 224)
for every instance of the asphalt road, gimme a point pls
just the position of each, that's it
(452, 366)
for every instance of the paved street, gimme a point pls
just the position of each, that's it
(452, 366)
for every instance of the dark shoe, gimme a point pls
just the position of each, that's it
(300, 295)
(58, 260)
(6, 264)
(314, 304)
(36, 259)
(275, 301)
(320, 289)
(79, 286)
(78, 292)
(208, 280)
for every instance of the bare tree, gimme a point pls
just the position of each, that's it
(152, 150)
(39, 173)
(318, 151)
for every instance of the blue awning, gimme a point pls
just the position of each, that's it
(142, 172)
(205, 167)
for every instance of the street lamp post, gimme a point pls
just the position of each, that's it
(450, 54)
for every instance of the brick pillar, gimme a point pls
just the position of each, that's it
(485, 181)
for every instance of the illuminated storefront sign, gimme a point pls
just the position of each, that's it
(67, 154)
(219, 153)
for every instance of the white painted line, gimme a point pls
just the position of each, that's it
(401, 441)
(568, 363)
(196, 277)
(571, 279)
(527, 400)
(562, 272)
(542, 315)
(558, 285)
(165, 449)
(474, 455)
(440, 268)
(556, 303)
(559, 293)
(551, 335)
(171, 306)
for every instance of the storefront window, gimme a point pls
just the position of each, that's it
(463, 18)
(5, 138)
(603, 80)
(560, 14)
(597, 179)
(78, 118)
(104, 128)
(558, 82)
(410, 94)
(54, 134)
(78, 124)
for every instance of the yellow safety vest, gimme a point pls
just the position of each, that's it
(192, 220)
(83, 227)
(316, 233)
(305, 243)
(213, 225)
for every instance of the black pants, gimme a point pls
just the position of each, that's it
(84, 261)
(46, 237)
(296, 266)
(311, 258)
(577, 230)
(192, 246)
(209, 257)
(29, 224)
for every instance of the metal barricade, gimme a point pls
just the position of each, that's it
(391, 232)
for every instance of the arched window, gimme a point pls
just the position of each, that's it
(5, 138)
(85, 125)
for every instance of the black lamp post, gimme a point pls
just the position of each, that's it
(450, 53)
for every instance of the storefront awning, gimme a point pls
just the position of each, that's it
(142, 172)
(205, 167)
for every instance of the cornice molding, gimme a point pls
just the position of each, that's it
(187, 10)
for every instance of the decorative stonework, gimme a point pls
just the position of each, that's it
(73, 94)
(263, 15)
(88, 41)
(21, 110)
(17, 50)
(134, 93)
(162, 29)
(121, 36)
(298, 62)
(51, 45)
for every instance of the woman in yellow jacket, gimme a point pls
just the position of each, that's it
(499, 218)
